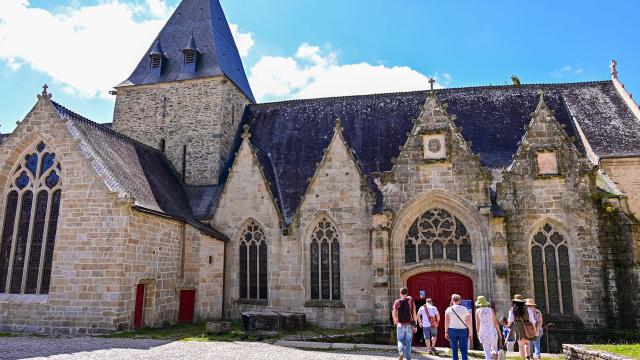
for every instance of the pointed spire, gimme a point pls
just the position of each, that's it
(198, 26)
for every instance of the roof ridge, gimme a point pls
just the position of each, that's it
(594, 82)
(103, 128)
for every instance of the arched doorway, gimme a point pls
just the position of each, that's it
(439, 285)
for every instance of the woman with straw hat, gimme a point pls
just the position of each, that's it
(534, 345)
(488, 328)
(522, 322)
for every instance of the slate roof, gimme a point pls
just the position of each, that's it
(133, 169)
(294, 134)
(205, 20)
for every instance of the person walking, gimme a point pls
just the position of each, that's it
(425, 324)
(404, 317)
(434, 319)
(522, 323)
(457, 327)
(534, 345)
(488, 328)
(506, 335)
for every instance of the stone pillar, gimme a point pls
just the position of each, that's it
(500, 263)
(380, 251)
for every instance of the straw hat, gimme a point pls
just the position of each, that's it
(481, 302)
(518, 298)
(530, 302)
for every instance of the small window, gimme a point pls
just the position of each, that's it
(156, 61)
(189, 57)
(162, 145)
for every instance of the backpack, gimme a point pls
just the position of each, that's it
(404, 310)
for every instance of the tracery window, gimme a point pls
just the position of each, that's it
(437, 235)
(253, 263)
(30, 222)
(325, 262)
(551, 271)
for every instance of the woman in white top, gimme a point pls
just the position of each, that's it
(488, 328)
(457, 327)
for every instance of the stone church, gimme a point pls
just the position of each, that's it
(198, 203)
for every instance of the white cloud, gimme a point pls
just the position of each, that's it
(312, 73)
(86, 49)
(567, 70)
(244, 41)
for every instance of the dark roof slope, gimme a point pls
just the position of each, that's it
(295, 134)
(133, 169)
(206, 22)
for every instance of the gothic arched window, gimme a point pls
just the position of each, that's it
(551, 271)
(253, 263)
(30, 221)
(325, 262)
(437, 235)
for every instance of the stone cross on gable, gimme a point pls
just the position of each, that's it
(431, 82)
(614, 70)
(45, 95)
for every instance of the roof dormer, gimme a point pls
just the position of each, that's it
(156, 56)
(191, 54)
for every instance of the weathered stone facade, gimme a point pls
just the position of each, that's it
(104, 248)
(198, 115)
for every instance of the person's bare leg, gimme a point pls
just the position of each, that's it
(522, 347)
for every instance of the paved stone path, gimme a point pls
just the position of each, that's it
(29, 347)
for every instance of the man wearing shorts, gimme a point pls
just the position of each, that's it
(429, 318)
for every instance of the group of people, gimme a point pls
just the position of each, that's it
(523, 326)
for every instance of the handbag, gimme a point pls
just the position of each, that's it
(433, 321)
(529, 330)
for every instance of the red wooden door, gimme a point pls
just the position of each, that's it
(187, 304)
(139, 309)
(439, 286)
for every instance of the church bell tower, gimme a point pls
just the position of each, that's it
(188, 92)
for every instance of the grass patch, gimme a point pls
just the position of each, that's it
(628, 350)
(181, 332)
(3, 334)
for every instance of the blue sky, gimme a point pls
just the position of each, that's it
(295, 48)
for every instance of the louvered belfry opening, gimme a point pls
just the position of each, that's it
(156, 61)
(189, 57)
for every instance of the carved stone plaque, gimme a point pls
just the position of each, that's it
(547, 163)
(434, 146)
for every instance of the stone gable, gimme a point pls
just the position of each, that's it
(531, 199)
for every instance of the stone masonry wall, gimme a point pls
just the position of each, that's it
(202, 114)
(90, 241)
(563, 200)
(624, 172)
(337, 191)
(167, 255)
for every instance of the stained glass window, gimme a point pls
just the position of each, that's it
(435, 235)
(325, 262)
(551, 271)
(30, 222)
(252, 263)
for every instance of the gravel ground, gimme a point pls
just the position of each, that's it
(29, 347)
